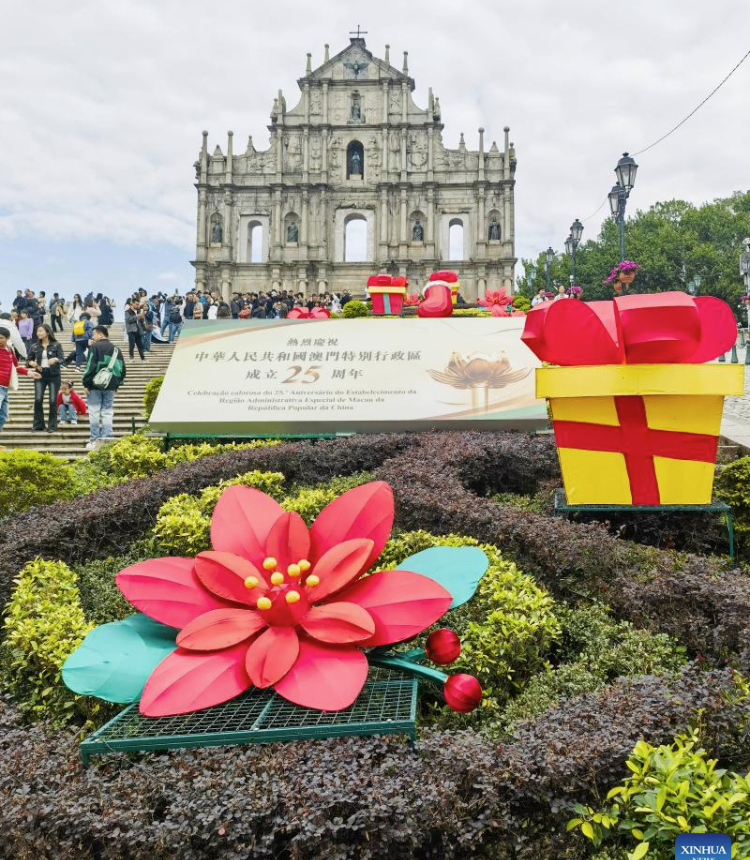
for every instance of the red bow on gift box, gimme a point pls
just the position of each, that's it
(659, 328)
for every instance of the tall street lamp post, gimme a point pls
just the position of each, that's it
(625, 172)
(550, 256)
(571, 246)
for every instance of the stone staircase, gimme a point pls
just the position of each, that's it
(70, 441)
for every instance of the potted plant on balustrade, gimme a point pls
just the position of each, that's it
(622, 275)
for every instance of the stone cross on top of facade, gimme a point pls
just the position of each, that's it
(358, 34)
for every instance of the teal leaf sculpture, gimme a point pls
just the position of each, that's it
(457, 568)
(115, 660)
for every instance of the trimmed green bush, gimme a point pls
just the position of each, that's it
(28, 478)
(596, 650)
(672, 789)
(139, 456)
(355, 309)
(732, 486)
(150, 393)
(506, 630)
(44, 624)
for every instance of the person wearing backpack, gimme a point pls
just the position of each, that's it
(104, 374)
(134, 328)
(83, 331)
(175, 320)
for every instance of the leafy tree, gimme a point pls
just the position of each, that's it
(673, 241)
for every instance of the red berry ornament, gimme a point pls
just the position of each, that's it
(443, 646)
(462, 693)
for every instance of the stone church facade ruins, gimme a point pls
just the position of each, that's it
(356, 180)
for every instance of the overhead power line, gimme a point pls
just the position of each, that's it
(695, 110)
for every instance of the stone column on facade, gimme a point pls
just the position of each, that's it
(383, 232)
(277, 241)
(228, 237)
(303, 222)
(306, 155)
(404, 97)
(481, 155)
(506, 153)
(230, 158)
(430, 154)
(431, 222)
(325, 139)
(226, 284)
(403, 153)
(481, 227)
(507, 226)
(403, 235)
(386, 103)
(279, 144)
(325, 102)
(323, 244)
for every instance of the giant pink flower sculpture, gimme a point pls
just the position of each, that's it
(277, 605)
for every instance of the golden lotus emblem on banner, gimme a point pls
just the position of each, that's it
(479, 372)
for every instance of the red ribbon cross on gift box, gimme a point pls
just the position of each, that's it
(638, 443)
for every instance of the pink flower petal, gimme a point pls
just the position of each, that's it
(272, 655)
(338, 623)
(241, 522)
(187, 681)
(341, 565)
(288, 541)
(167, 590)
(402, 604)
(325, 677)
(364, 512)
(220, 629)
(224, 575)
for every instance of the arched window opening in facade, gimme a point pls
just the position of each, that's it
(255, 242)
(355, 239)
(456, 239)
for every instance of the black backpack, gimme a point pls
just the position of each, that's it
(175, 317)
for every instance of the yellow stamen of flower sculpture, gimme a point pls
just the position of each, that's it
(304, 564)
(294, 570)
(251, 582)
(292, 597)
(264, 603)
(277, 578)
(312, 581)
(269, 563)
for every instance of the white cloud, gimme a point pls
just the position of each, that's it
(102, 102)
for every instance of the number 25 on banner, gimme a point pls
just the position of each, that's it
(311, 371)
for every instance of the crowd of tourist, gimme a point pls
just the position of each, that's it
(29, 343)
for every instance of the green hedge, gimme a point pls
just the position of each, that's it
(28, 478)
(44, 624)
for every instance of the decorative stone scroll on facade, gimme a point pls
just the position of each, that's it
(356, 155)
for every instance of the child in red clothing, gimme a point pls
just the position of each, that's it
(8, 361)
(69, 404)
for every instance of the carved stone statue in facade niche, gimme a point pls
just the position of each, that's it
(334, 151)
(216, 231)
(494, 230)
(417, 231)
(356, 114)
(355, 163)
(292, 232)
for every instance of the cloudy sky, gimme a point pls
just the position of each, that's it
(102, 103)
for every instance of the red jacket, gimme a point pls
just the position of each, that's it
(7, 360)
(79, 405)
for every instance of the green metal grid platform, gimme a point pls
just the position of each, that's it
(386, 705)
(562, 508)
